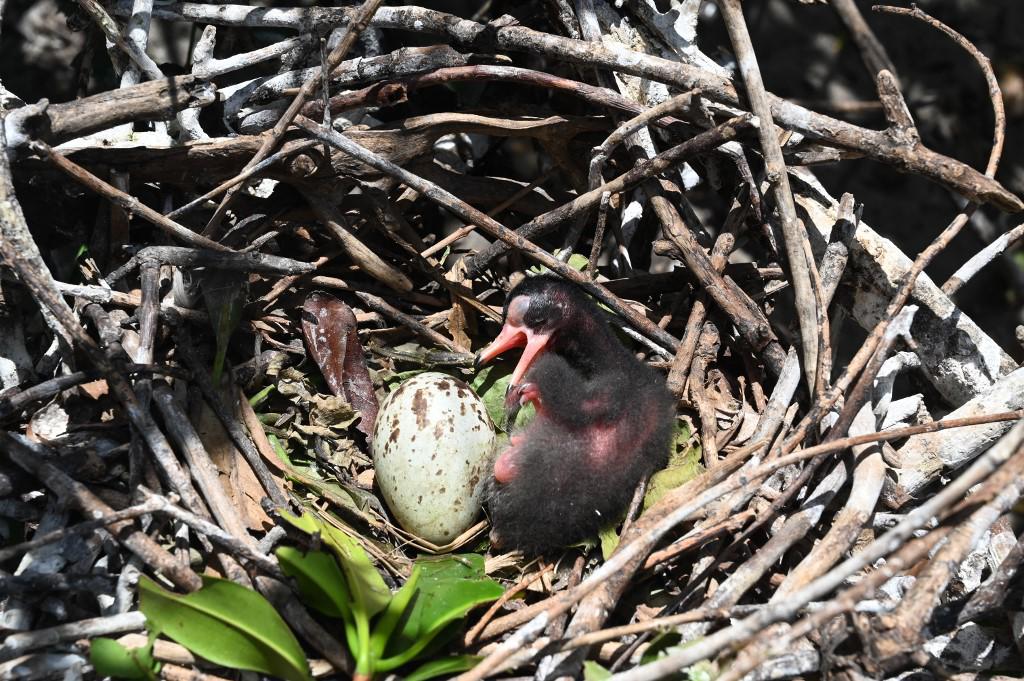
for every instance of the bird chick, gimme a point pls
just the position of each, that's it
(603, 423)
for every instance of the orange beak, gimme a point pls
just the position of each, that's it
(512, 336)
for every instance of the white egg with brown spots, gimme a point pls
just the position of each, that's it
(433, 445)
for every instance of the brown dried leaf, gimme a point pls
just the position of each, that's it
(329, 326)
(240, 483)
(95, 389)
(460, 318)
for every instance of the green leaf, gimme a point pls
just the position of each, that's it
(578, 262)
(702, 671)
(392, 379)
(526, 414)
(609, 540)
(393, 613)
(370, 594)
(491, 384)
(110, 658)
(592, 671)
(320, 580)
(322, 585)
(258, 399)
(228, 625)
(279, 449)
(683, 465)
(449, 588)
(663, 643)
(224, 293)
(443, 667)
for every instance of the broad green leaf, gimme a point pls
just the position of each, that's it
(683, 465)
(370, 594)
(665, 643)
(526, 414)
(306, 522)
(592, 671)
(368, 587)
(228, 625)
(449, 588)
(491, 384)
(322, 586)
(392, 379)
(110, 658)
(443, 667)
(320, 580)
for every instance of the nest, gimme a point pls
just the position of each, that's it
(213, 275)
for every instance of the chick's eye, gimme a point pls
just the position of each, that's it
(536, 318)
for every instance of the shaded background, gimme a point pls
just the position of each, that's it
(804, 54)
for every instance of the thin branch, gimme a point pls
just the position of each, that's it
(969, 269)
(872, 52)
(241, 177)
(995, 94)
(793, 231)
(82, 529)
(602, 152)
(674, 510)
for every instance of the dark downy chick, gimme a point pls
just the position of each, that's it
(604, 420)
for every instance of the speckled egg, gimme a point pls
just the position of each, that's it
(432, 448)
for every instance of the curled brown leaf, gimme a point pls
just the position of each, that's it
(329, 326)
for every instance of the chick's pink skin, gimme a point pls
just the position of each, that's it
(506, 466)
